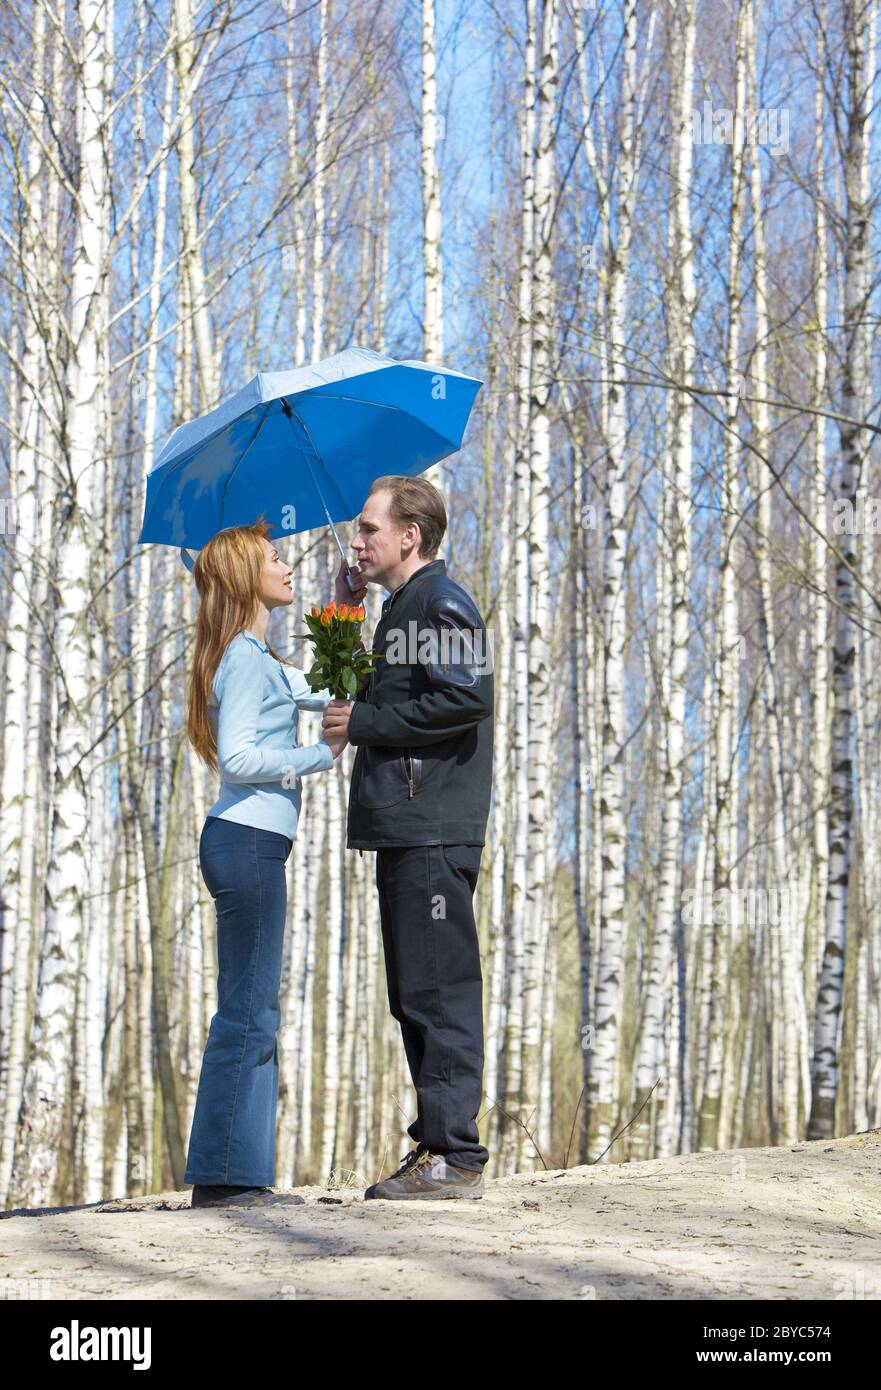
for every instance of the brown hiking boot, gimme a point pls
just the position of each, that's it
(428, 1176)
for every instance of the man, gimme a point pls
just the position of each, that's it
(420, 797)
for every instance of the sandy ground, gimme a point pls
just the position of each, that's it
(787, 1223)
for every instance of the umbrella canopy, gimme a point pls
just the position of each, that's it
(303, 446)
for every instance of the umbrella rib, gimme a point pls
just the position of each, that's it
(360, 400)
(290, 413)
(173, 465)
(244, 454)
(377, 405)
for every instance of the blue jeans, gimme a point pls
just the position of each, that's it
(232, 1139)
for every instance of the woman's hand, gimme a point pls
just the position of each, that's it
(336, 745)
(335, 721)
(335, 725)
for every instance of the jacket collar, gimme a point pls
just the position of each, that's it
(256, 640)
(433, 566)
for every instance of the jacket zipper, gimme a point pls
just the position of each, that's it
(408, 775)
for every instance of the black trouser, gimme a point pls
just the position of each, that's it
(435, 989)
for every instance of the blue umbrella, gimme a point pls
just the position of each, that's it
(303, 446)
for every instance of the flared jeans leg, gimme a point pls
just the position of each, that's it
(232, 1138)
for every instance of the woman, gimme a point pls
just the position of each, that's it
(242, 718)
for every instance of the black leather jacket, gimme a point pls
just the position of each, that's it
(423, 726)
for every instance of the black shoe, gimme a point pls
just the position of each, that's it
(424, 1175)
(214, 1195)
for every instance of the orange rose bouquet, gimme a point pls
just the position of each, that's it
(341, 664)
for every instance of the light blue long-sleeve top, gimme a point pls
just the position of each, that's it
(254, 710)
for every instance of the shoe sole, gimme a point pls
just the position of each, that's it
(276, 1199)
(424, 1197)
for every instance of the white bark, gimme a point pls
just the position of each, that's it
(856, 404)
(539, 621)
(24, 683)
(725, 932)
(786, 1009)
(511, 1145)
(44, 1140)
(675, 546)
(601, 1091)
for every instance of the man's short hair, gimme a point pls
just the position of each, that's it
(415, 499)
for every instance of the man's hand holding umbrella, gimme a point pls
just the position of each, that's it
(342, 592)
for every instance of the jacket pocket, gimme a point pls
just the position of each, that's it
(412, 769)
(463, 856)
(384, 777)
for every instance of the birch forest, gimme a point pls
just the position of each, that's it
(651, 231)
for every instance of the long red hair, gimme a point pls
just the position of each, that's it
(227, 573)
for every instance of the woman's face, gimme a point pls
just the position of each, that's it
(275, 581)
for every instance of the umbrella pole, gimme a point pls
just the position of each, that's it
(290, 414)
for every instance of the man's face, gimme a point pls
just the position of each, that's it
(379, 543)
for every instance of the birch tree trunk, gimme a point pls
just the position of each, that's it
(856, 395)
(22, 674)
(191, 250)
(724, 931)
(781, 932)
(602, 1093)
(819, 603)
(432, 261)
(675, 545)
(539, 628)
(45, 1142)
(512, 1138)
